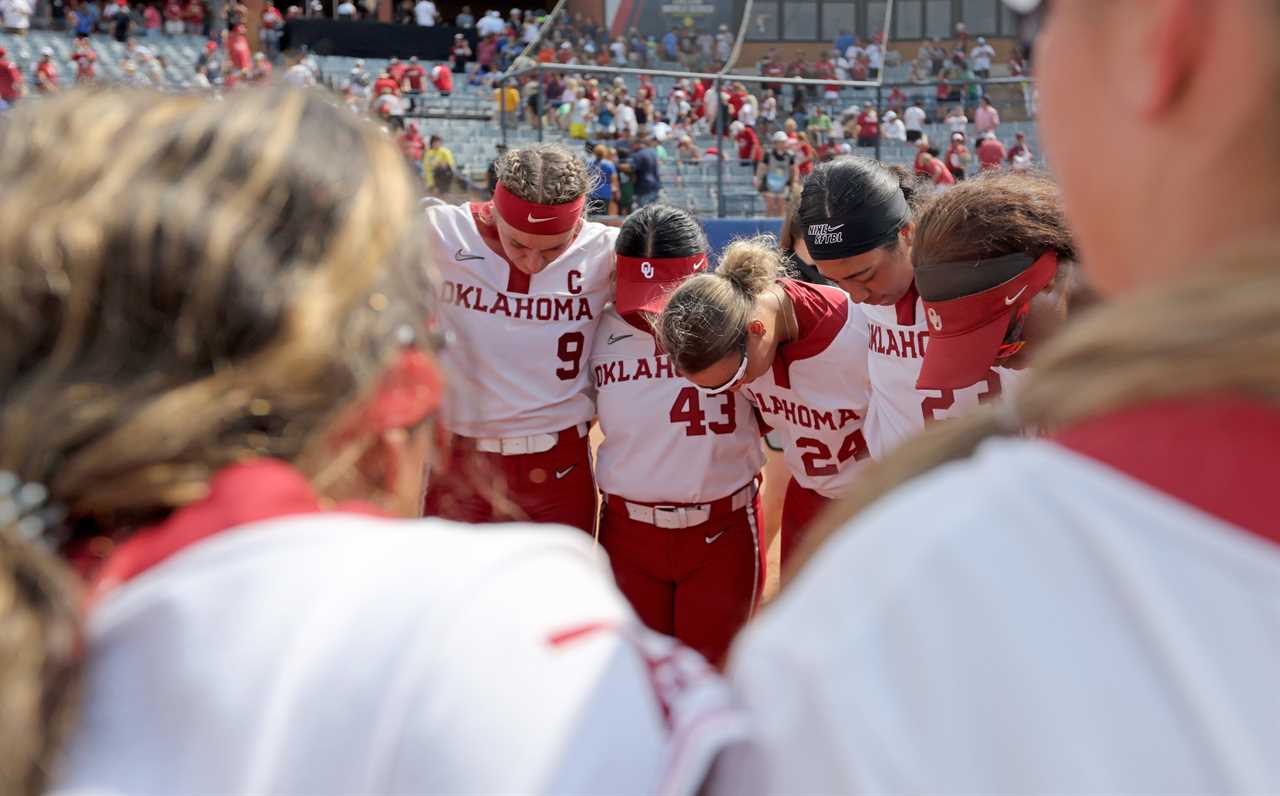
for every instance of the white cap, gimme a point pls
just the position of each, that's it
(890, 116)
(46, 51)
(780, 136)
(737, 127)
(982, 40)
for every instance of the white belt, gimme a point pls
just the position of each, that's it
(684, 516)
(518, 446)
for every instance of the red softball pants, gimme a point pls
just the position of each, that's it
(799, 509)
(699, 583)
(553, 486)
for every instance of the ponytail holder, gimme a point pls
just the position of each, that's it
(534, 218)
(27, 507)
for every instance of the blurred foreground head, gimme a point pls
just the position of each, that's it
(1168, 186)
(200, 284)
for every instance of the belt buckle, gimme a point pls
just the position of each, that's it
(670, 517)
(515, 446)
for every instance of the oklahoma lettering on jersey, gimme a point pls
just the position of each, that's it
(518, 361)
(816, 394)
(897, 337)
(663, 441)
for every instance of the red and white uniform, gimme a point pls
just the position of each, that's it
(255, 643)
(897, 337)
(815, 398)
(520, 381)
(1090, 613)
(680, 520)
(84, 61)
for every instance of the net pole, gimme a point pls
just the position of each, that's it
(879, 106)
(718, 122)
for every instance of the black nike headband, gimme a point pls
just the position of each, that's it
(865, 228)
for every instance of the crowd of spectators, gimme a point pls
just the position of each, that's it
(779, 131)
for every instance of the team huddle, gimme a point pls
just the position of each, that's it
(556, 323)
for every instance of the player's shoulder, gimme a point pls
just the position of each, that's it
(365, 559)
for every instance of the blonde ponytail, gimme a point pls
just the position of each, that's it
(1218, 331)
(751, 264)
(706, 317)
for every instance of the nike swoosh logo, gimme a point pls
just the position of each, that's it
(562, 473)
(462, 256)
(711, 539)
(834, 228)
(1008, 301)
(533, 220)
(699, 265)
(613, 338)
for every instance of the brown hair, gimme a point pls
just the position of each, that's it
(547, 174)
(990, 216)
(40, 664)
(1217, 331)
(205, 282)
(705, 319)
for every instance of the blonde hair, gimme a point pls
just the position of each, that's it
(1218, 331)
(706, 318)
(41, 664)
(547, 174)
(202, 283)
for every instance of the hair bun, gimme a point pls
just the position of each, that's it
(751, 264)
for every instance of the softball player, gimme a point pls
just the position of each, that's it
(679, 469)
(798, 351)
(524, 280)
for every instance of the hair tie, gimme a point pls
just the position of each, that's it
(27, 507)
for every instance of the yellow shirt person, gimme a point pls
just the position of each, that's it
(438, 166)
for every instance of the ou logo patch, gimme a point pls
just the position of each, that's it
(646, 268)
(935, 320)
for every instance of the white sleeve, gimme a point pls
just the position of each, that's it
(546, 684)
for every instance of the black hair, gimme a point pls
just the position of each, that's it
(840, 187)
(661, 231)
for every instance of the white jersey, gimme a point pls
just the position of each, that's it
(1034, 621)
(896, 342)
(518, 358)
(342, 654)
(663, 441)
(815, 396)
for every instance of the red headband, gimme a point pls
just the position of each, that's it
(645, 283)
(534, 218)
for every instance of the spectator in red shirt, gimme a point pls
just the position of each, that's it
(396, 70)
(958, 156)
(798, 67)
(442, 79)
(774, 68)
(868, 128)
(749, 149)
(385, 85)
(805, 155)
(646, 91)
(898, 100)
(84, 58)
(487, 51)
(194, 16)
(737, 98)
(412, 145)
(10, 79)
(46, 75)
(1020, 155)
(922, 153)
(460, 53)
(151, 20)
(272, 27)
(991, 154)
(415, 77)
(238, 50)
(935, 169)
(565, 54)
(173, 18)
